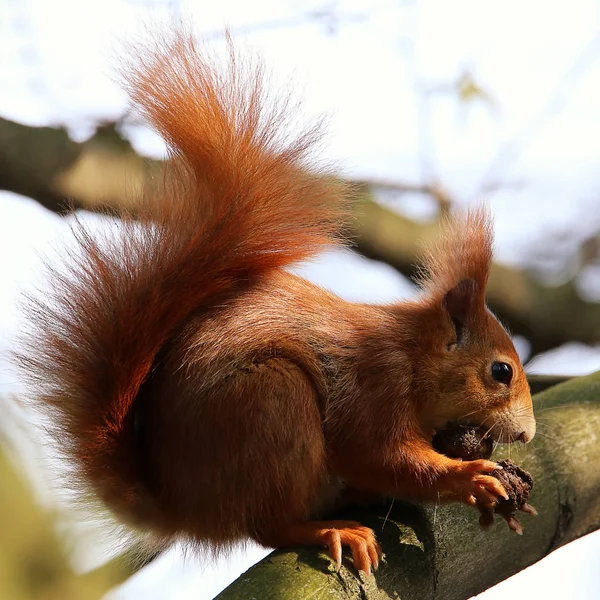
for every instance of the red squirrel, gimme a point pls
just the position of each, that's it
(205, 393)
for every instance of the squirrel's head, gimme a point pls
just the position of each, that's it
(477, 374)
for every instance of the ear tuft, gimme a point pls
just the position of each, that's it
(461, 300)
(462, 251)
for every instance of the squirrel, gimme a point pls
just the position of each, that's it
(205, 393)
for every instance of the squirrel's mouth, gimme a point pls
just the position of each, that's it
(482, 434)
(470, 441)
(506, 429)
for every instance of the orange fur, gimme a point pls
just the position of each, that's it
(203, 392)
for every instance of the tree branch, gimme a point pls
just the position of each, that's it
(546, 316)
(106, 173)
(441, 553)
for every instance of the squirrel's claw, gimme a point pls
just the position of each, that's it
(513, 524)
(530, 510)
(471, 484)
(486, 518)
(366, 551)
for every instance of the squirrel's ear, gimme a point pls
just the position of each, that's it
(461, 300)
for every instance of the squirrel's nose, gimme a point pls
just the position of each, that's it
(524, 437)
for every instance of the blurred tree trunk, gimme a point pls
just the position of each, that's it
(547, 316)
(46, 165)
(33, 560)
(441, 553)
(105, 173)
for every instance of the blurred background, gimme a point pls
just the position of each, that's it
(431, 105)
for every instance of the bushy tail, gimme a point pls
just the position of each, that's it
(236, 199)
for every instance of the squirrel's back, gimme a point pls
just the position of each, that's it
(237, 198)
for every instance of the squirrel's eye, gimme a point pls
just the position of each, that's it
(502, 372)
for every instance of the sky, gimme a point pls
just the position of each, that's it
(381, 71)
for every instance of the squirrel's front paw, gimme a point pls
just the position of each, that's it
(474, 487)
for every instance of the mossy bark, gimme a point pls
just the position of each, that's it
(440, 552)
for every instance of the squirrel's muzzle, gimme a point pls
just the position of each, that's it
(514, 423)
